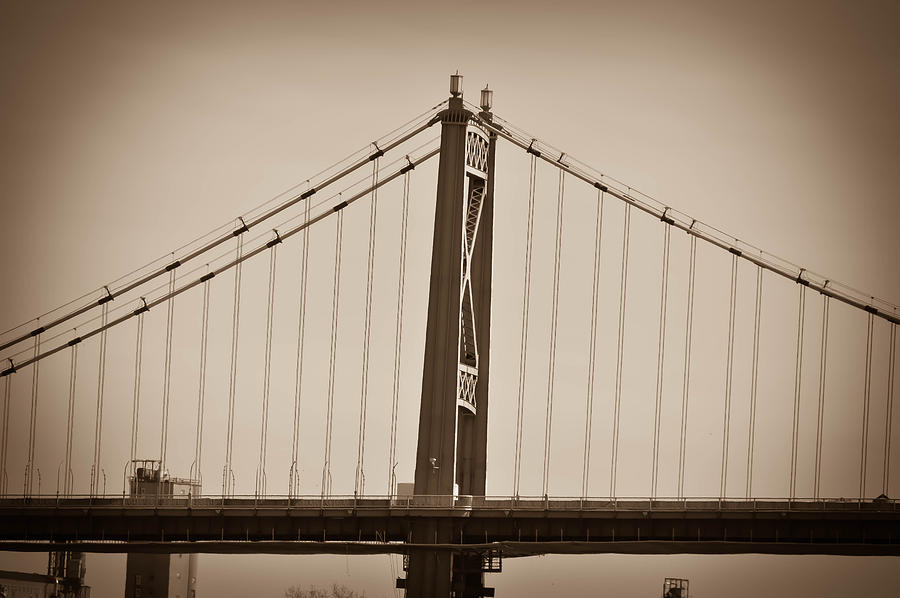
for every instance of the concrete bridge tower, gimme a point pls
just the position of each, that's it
(451, 457)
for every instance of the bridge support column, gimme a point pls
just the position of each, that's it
(451, 455)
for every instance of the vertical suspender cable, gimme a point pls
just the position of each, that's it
(398, 340)
(201, 392)
(360, 481)
(821, 411)
(70, 421)
(754, 382)
(32, 425)
(551, 373)
(620, 347)
(228, 474)
(294, 485)
(167, 376)
(889, 412)
(688, 329)
(267, 369)
(866, 395)
(726, 424)
(523, 344)
(4, 442)
(798, 374)
(592, 360)
(335, 304)
(663, 300)
(136, 402)
(98, 422)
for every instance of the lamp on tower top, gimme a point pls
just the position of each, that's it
(487, 98)
(456, 85)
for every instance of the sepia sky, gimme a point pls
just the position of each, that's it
(130, 130)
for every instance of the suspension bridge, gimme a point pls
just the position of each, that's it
(322, 369)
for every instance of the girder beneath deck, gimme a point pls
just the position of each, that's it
(519, 526)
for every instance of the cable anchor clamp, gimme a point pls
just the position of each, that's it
(871, 308)
(274, 241)
(143, 308)
(109, 296)
(309, 192)
(243, 228)
(664, 216)
(410, 166)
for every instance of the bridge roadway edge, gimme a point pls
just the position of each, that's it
(508, 549)
(529, 527)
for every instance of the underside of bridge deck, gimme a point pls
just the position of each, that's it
(521, 527)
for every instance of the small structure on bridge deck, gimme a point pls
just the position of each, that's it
(148, 480)
(158, 575)
(676, 588)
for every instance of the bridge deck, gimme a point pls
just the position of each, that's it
(517, 526)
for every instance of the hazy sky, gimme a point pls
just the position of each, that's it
(128, 131)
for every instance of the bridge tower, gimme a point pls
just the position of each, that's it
(451, 456)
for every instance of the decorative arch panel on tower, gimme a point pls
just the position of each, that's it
(476, 171)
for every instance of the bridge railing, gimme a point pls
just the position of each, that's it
(460, 502)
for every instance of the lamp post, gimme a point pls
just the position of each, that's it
(487, 98)
(124, 478)
(456, 85)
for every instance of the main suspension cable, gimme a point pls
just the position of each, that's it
(267, 372)
(14, 367)
(798, 376)
(394, 143)
(551, 373)
(663, 303)
(620, 351)
(228, 473)
(754, 382)
(70, 422)
(167, 376)
(889, 412)
(682, 448)
(335, 305)
(820, 419)
(360, 480)
(691, 226)
(866, 396)
(398, 339)
(294, 485)
(523, 345)
(592, 359)
(98, 422)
